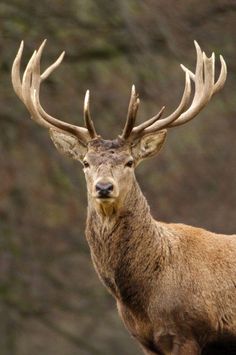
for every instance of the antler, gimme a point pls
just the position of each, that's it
(205, 88)
(132, 113)
(28, 90)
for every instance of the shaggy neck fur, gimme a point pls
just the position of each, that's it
(125, 246)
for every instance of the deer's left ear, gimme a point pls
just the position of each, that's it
(149, 145)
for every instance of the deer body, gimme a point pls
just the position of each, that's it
(175, 285)
(144, 264)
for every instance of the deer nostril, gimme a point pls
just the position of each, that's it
(104, 189)
(110, 187)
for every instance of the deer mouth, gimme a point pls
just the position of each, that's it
(105, 198)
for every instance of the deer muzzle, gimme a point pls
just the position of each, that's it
(105, 189)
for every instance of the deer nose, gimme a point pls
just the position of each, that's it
(104, 189)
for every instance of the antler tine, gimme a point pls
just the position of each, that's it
(87, 118)
(52, 67)
(222, 77)
(15, 72)
(132, 113)
(26, 81)
(142, 126)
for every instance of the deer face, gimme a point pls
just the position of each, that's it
(109, 164)
(109, 170)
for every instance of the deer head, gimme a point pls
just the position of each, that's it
(109, 164)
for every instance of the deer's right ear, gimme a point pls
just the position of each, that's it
(68, 145)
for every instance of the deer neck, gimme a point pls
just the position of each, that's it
(121, 245)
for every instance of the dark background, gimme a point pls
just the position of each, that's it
(51, 301)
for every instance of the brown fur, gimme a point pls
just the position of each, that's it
(174, 284)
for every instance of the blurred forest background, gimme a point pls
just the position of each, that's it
(51, 301)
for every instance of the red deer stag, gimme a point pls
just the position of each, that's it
(174, 284)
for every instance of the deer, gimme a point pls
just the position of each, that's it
(174, 285)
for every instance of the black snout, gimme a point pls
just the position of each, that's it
(104, 189)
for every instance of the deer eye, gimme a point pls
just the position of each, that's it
(86, 164)
(130, 163)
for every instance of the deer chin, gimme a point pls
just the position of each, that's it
(107, 207)
(105, 200)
